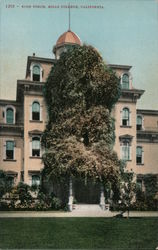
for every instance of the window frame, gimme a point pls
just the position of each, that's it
(140, 156)
(5, 114)
(140, 125)
(123, 82)
(13, 151)
(34, 151)
(40, 111)
(34, 114)
(125, 122)
(126, 144)
(40, 73)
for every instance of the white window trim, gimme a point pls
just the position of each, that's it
(14, 113)
(130, 78)
(121, 150)
(31, 71)
(122, 116)
(30, 146)
(41, 110)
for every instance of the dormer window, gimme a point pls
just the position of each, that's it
(139, 122)
(125, 81)
(36, 73)
(125, 117)
(35, 111)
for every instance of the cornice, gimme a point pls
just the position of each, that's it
(147, 112)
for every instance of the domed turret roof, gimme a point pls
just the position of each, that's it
(68, 37)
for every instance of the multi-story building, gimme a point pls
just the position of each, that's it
(23, 121)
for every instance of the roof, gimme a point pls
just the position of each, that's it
(118, 66)
(68, 37)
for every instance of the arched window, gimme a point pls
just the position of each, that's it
(35, 111)
(36, 146)
(125, 117)
(139, 155)
(125, 81)
(10, 116)
(36, 73)
(126, 151)
(35, 180)
(139, 122)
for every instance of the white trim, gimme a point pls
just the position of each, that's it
(129, 121)
(121, 151)
(130, 78)
(40, 112)
(31, 144)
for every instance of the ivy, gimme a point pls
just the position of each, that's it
(80, 93)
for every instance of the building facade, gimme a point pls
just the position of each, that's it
(23, 121)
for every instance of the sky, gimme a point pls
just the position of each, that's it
(124, 32)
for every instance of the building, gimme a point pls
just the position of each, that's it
(22, 122)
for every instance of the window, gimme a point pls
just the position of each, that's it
(35, 111)
(125, 81)
(10, 116)
(9, 150)
(139, 155)
(125, 151)
(35, 180)
(125, 117)
(36, 146)
(139, 122)
(36, 73)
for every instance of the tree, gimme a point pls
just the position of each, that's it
(80, 93)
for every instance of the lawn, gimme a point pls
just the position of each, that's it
(90, 233)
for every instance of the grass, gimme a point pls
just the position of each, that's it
(73, 233)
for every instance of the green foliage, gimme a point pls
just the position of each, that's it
(147, 198)
(80, 93)
(5, 185)
(80, 78)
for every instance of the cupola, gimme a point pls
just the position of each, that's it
(65, 41)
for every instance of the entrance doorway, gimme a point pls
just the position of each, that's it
(86, 193)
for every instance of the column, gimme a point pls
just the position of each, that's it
(70, 203)
(102, 197)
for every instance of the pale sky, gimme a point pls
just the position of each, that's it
(124, 31)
